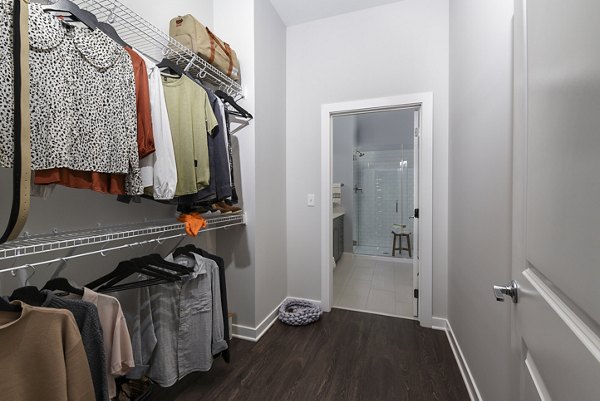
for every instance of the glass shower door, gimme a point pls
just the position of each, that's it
(383, 194)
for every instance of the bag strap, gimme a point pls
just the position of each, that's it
(22, 126)
(231, 62)
(226, 49)
(213, 49)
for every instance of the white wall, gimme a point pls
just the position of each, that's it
(271, 243)
(340, 59)
(344, 139)
(481, 187)
(160, 16)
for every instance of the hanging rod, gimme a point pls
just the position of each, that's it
(154, 43)
(160, 240)
(37, 244)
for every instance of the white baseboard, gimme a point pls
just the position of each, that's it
(255, 333)
(444, 324)
(439, 323)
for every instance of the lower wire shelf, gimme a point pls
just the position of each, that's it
(165, 229)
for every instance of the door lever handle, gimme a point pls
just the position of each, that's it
(512, 291)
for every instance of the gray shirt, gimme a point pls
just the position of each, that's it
(86, 317)
(188, 322)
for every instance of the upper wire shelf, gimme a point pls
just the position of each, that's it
(154, 43)
(42, 243)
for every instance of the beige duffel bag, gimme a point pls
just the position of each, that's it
(188, 31)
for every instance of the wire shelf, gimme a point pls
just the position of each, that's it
(43, 243)
(154, 43)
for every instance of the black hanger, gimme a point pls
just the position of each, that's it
(8, 307)
(228, 99)
(110, 31)
(157, 260)
(171, 66)
(30, 295)
(130, 286)
(153, 266)
(186, 250)
(84, 16)
(121, 272)
(63, 284)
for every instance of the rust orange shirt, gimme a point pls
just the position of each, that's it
(100, 182)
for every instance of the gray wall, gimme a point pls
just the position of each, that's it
(344, 141)
(481, 187)
(271, 241)
(323, 66)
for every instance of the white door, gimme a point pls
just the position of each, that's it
(415, 217)
(556, 242)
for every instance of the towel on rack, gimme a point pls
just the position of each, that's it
(337, 193)
(194, 222)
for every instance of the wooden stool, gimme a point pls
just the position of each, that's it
(399, 247)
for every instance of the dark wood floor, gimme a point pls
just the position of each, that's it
(346, 356)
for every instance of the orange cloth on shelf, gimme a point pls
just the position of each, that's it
(107, 182)
(193, 223)
(100, 182)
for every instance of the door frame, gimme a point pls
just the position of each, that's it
(328, 111)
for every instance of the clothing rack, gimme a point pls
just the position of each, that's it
(148, 39)
(38, 244)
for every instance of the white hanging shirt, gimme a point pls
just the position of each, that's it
(159, 170)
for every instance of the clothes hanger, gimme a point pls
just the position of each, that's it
(171, 66)
(121, 272)
(228, 99)
(139, 266)
(186, 250)
(84, 16)
(156, 260)
(131, 286)
(64, 285)
(110, 31)
(30, 295)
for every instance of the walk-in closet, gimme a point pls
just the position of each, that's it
(283, 200)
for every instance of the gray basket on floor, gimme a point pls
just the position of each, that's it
(296, 312)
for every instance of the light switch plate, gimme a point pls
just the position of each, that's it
(310, 200)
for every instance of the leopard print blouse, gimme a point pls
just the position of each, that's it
(83, 114)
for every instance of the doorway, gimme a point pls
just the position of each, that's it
(373, 179)
(385, 171)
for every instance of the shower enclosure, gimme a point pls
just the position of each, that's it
(383, 199)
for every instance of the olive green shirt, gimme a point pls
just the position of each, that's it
(191, 119)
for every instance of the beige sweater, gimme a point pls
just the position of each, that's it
(42, 357)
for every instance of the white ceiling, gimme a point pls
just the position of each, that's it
(294, 12)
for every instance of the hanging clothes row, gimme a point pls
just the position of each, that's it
(103, 117)
(165, 318)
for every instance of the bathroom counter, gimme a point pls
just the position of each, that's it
(335, 215)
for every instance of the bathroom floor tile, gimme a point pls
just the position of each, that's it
(404, 309)
(381, 301)
(381, 283)
(355, 298)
